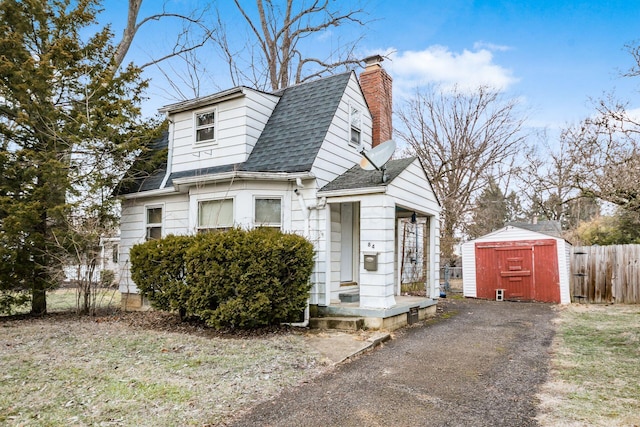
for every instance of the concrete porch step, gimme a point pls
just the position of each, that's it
(340, 323)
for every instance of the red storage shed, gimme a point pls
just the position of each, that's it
(515, 263)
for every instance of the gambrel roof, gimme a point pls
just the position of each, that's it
(289, 142)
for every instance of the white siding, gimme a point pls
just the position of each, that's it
(315, 230)
(238, 125)
(180, 214)
(259, 109)
(469, 270)
(506, 234)
(564, 265)
(133, 228)
(337, 155)
(377, 235)
(412, 190)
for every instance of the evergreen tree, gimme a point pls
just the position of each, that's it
(68, 125)
(492, 210)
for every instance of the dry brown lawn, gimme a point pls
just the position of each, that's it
(141, 369)
(595, 377)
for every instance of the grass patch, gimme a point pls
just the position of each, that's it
(595, 378)
(68, 370)
(65, 299)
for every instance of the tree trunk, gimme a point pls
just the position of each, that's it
(38, 297)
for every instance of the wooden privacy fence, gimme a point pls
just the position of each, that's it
(606, 274)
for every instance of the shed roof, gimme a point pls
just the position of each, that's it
(551, 228)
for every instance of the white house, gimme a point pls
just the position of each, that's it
(290, 159)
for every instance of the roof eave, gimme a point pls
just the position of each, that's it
(353, 191)
(191, 104)
(183, 184)
(148, 193)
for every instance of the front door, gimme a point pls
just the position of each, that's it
(349, 242)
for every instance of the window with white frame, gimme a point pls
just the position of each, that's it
(154, 222)
(268, 212)
(355, 121)
(215, 214)
(205, 123)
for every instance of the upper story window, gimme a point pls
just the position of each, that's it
(355, 121)
(268, 212)
(215, 214)
(205, 122)
(154, 222)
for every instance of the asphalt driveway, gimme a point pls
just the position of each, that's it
(480, 364)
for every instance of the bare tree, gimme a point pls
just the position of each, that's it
(606, 150)
(274, 57)
(463, 140)
(185, 41)
(548, 182)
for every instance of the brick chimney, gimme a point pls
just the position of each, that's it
(376, 87)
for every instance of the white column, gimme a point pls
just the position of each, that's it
(377, 236)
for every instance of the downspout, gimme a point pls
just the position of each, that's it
(306, 212)
(169, 152)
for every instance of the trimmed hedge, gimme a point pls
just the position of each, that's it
(232, 279)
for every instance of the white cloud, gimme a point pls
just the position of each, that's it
(634, 114)
(439, 65)
(490, 46)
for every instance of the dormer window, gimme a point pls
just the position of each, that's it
(205, 126)
(355, 121)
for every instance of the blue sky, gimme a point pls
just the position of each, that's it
(553, 55)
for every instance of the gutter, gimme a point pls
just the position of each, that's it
(353, 191)
(182, 184)
(150, 193)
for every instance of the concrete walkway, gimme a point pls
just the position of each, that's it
(337, 346)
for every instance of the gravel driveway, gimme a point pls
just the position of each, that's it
(480, 364)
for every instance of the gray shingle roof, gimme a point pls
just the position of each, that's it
(550, 228)
(356, 177)
(137, 178)
(297, 127)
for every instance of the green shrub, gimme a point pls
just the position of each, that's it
(248, 279)
(12, 301)
(158, 270)
(232, 279)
